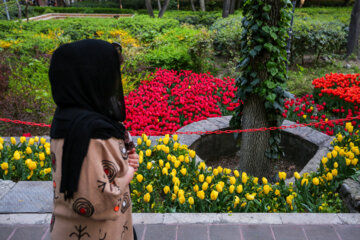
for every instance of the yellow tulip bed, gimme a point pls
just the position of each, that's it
(170, 180)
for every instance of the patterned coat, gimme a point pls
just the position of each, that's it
(101, 208)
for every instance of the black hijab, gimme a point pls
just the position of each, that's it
(86, 87)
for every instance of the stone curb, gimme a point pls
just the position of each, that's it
(209, 218)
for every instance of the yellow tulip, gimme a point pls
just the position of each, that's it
(187, 160)
(324, 160)
(354, 161)
(148, 153)
(147, 197)
(205, 186)
(13, 140)
(182, 199)
(166, 140)
(166, 189)
(304, 181)
(264, 180)
(22, 139)
(41, 156)
(42, 141)
(1, 140)
(267, 189)
(339, 137)
(196, 188)
(244, 178)
(139, 141)
(181, 193)
(239, 188)
(149, 165)
(167, 165)
(334, 172)
(282, 175)
(32, 166)
(289, 199)
(200, 194)
(4, 166)
(183, 171)
(47, 150)
(329, 176)
(219, 188)
(16, 155)
(297, 175)
(173, 196)
(31, 141)
(181, 158)
(191, 200)
(1, 146)
(334, 153)
(47, 170)
(161, 163)
(175, 137)
(177, 164)
(176, 189)
(250, 197)
(214, 195)
(232, 180)
(236, 173)
(348, 161)
(255, 180)
(215, 172)
(277, 192)
(192, 153)
(149, 188)
(315, 181)
(36, 139)
(236, 201)
(201, 178)
(231, 189)
(202, 166)
(139, 177)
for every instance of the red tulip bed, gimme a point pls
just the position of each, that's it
(174, 99)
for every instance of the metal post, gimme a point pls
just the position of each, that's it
(6, 10)
(288, 47)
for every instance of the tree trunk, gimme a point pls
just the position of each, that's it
(120, 4)
(254, 144)
(27, 10)
(193, 5)
(238, 4)
(163, 9)
(178, 5)
(232, 7)
(354, 28)
(6, 10)
(226, 8)
(149, 8)
(159, 5)
(202, 5)
(19, 9)
(302, 3)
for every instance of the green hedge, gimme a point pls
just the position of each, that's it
(42, 10)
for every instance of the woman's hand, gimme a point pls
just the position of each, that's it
(133, 159)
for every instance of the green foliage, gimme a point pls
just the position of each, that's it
(99, 9)
(318, 38)
(227, 35)
(260, 38)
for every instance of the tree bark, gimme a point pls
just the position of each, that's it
(120, 4)
(226, 8)
(19, 9)
(254, 144)
(202, 5)
(193, 5)
(6, 10)
(232, 7)
(238, 4)
(163, 9)
(302, 3)
(149, 8)
(159, 5)
(354, 28)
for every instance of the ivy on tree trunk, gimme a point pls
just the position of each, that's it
(262, 81)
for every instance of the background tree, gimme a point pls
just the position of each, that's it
(262, 81)
(193, 5)
(149, 8)
(163, 8)
(202, 5)
(226, 8)
(354, 28)
(6, 10)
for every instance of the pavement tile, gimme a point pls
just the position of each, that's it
(348, 232)
(225, 232)
(256, 232)
(321, 232)
(47, 237)
(139, 229)
(23, 233)
(192, 232)
(160, 232)
(5, 231)
(288, 232)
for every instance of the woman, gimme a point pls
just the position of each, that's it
(93, 159)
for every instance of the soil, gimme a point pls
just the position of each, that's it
(282, 165)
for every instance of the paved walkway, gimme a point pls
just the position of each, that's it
(207, 232)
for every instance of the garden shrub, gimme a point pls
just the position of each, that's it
(227, 35)
(318, 38)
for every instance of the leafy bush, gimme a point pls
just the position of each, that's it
(227, 35)
(318, 38)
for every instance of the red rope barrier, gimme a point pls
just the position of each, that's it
(158, 133)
